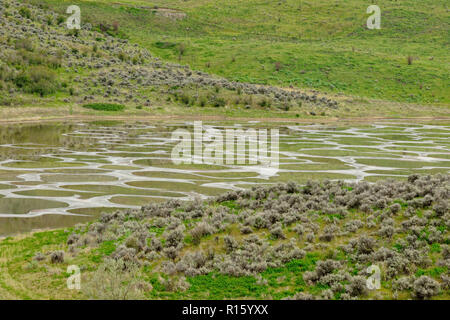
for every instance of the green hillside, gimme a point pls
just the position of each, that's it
(320, 44)
(93, 71)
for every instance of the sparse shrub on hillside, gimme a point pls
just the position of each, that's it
(353, 225)
(323, 268)
(170, 252)
(181, 49)
(410, 60)
(49, 20)
(115, 26)
(328, 233)
(403, 283)
(301, 296)
(441, 207)
(116, 280)
(174, 238)
(57, 257)
(277, 66)
(217, 102)
(24, 43)
(6, 74)
(125, 253)
(386, 231)
(25, 12)
(265, 103)
(277, 232)
(175, 284)
(123, 56)
(37, 79)
(60, 20)
(246, 230)
(366, 244)
(200, 230)
(357, 286)
(395, 208)
(310, 237)
(135, 243)
(425, 287)
(73, 238)
(230, 244)
(39, 256)
(184, 98)
(74, 33)
(156, 244)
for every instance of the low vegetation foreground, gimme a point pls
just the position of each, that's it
(285, 241)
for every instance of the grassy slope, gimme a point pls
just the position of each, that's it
(319, 44)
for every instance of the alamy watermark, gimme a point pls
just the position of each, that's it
(374, 21)
(228, 146)
(374, 280)
(74, 21)
(74, 280)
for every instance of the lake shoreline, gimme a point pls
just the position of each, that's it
(199, 117)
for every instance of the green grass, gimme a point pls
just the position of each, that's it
(433, 272)
(218, 286)
(318, 44)
(282, 281)
(104, 106)
(106, 248)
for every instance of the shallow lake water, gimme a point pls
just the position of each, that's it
(59, 174)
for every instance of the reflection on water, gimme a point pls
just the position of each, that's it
(54, 175)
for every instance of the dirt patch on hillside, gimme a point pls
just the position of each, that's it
(174, 14)
(170, 13)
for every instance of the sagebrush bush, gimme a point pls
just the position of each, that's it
(331, 259)
(57, 257)
(357, 286)
(425, 287)
(200, 230)
(39, 256)
(174, 238)
(24, 44)
(115, 279)
(277, 231)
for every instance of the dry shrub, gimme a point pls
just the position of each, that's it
(425, 287)
(199, 231)
(410, 60)
(116, 280)
(57, 257)
(115, 26)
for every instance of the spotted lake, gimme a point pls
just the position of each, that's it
(59, 174)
